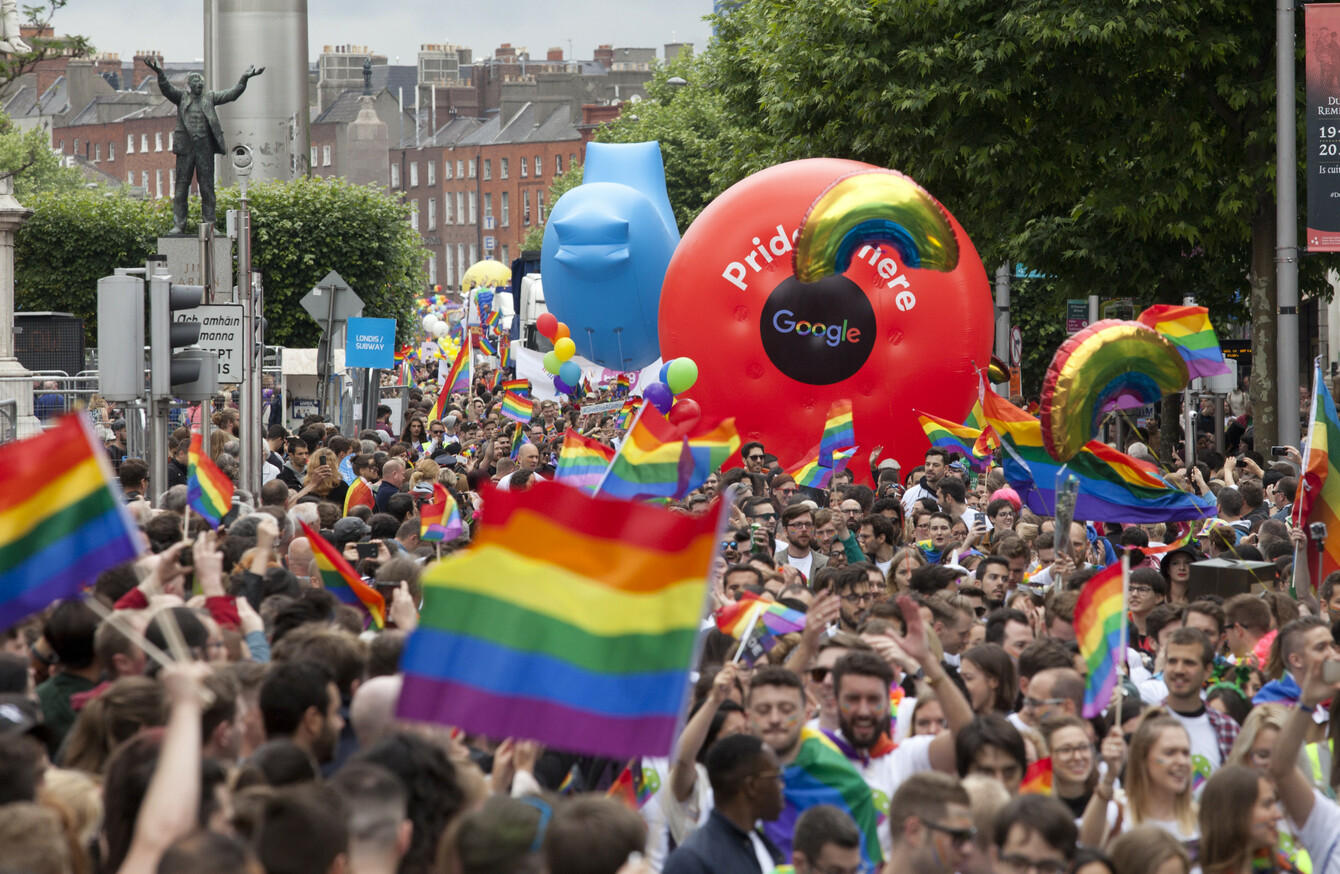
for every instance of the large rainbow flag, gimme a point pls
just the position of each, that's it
(1113, 487)
(583, 461)
(61, 522)
(659, 460)
(838, 432)
(821, 774)
(1319, 498)
(587, 648)
(456, 380)
(208, 490)
(1100, 629)
(341, 580)
(1189, 329)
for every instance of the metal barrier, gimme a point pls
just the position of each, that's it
(9, 420)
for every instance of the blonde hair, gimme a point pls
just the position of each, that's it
(426, 471)
(1152, 724)
(1144, 848)
(1262, 716)
(320, 457)
(80, 795)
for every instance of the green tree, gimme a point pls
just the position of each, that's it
(561, 185)
(301, 230)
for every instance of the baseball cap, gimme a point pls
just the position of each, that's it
(351, 528)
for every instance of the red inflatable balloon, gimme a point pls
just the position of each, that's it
(895, 312)
(685, 412)
(547, 324)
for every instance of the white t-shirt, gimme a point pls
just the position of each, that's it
(1320, 835)
(884, 567)
(1205, 755)
(885, 774)
(801, 564)
(505, 484)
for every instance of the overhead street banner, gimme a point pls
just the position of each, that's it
(1322, 68)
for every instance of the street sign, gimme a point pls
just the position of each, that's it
(489, 244)
(221, 332)
(370, 343)
(1076, 315)
(347, 304)
(1016, 346)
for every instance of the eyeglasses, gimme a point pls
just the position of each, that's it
(1037, 703)
(960, 836)
(1141, 590)
(439, 431)
(754, 458)
(801, 526)
(858, 597)
(1069, 752)
(1016, 862)
(727, 544)
(818, 675)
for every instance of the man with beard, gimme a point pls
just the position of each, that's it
(1187, 662)
(993, 576)
(861, 682)
(852, 586)
(937, 462)
(798, 521)
(300, 701)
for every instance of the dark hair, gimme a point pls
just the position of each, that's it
(795, 511)
(132, 473)
(207, 852)
(775, 675)
(1041, 815)
(937, 451)
(342, 654)
(994, 507)
(21, 768)
(1161, 617)
(1151, 577)
(1195, 637)
(996, 621)
(995, 662)
(1230, 501)
(290, 688)
(881, 525)
(380, 798)
(730, 762)
(932, 578)
(750, 447)
(593, 835)
(69, 631)
(992, 730)
(1041, 654)
(302, 831)
(435, 793)
(1235, 703)
(278, 762)
(821, 825)
(989, 560)
(1205, 608)
(953, 488)
(861, 664)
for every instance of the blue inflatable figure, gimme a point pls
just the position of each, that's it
(606, 249)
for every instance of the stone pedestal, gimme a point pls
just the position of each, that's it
(15, 380)
(184, 263)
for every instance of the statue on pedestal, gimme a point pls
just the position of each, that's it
(197, 139)
(10, 41)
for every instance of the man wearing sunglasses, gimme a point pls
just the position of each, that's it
(753, 455)
(930, 825)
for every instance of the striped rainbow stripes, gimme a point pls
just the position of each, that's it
(208, 491)
(517, 408)
(359, 494)
(583, 461)
(61, 523)
(661, 461)
(1189, 329)
(838, 432)
(1100, 628)
(736, 618)
(519, 387)
(587, 647)
(456, 380)
(1319, 498)
(341, 580)
(810, 473)
(440, 519)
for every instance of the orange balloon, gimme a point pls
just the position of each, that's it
(561, 331)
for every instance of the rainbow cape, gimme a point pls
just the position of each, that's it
(61, 522)
(838, 432)
(587, 647)
(1113, 487)
(821, 774)
(208, 491)
(440, 519)
(1319, 498)
(359, 494)
(1189, 329)
(812, 474)
(1100, 628)
(517, 408)
(1038, 778)
(341, 580)
(583, 461)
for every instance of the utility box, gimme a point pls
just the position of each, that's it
(49, 341)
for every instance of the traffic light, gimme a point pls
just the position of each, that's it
(171, 372)
(121, 337)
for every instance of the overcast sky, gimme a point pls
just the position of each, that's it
(397, 27)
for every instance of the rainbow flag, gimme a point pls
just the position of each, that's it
(588, 646)
(838, 432)
(1319, 498)
(359, 494)
(341, 580)
(709, 450)
(208, 491)
(660, 460)
(61, 522)
(1189, 329)
(1113, 486)
(504, 352)
(572, 782)
(821, 774)
(456, 380)
(810, 473)
(627, 411)
(944, 434)
(736, 618)
(621, 383)
(987, 441)
(494, 319)
(485, 346)
(518, 438)
(1100, 628)
(625, 788)
(1038, 778)
(518, 387)
(517, 408)
(440, 519)
(583, 461)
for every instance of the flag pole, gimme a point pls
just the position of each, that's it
(637, 417)
(1125, 629)
(1299, 521)
(748, 633)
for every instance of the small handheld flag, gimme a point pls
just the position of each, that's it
(1038, 779)
(517, 408)
(838, 432)
(1100, 629)
(440, 519)
(208, 490)
(341, 580)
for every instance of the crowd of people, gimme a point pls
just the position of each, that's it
(210, 707)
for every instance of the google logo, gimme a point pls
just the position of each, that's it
(784, 322)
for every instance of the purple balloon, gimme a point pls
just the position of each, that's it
(659, 396)
(562, 386)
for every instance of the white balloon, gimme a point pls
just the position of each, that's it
(428, 322)
(439, 329)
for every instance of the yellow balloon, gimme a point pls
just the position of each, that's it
(565, 348)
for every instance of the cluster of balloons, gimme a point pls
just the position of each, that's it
(676, 377)
(437, 327)
(558, 361)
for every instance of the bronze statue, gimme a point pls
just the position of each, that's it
(197, 139)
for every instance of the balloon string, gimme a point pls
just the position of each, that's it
(618, 337)
(591, 343)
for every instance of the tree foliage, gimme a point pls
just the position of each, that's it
(301, 230)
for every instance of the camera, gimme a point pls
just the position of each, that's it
(242, 160)
(1317, 531)
(1279, 451)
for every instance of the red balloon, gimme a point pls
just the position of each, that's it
(895, 339)
(547, 324)
(685, 412)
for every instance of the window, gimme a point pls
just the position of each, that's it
(111, 151)
(158, 141)
(446, 174)
(474, 213)
(170, 133)
(539, 167)
(474, 254)
(76, 145)
(172, 180)
(558, 164)
(413, 174)
(505, 259)
(61, 147)
(460, 169)
(449, 263)
(97, 154)
(539, 206)
(130, 177)
(447, 214)
(395, 176)
(471, 168)
(488, 205)
(325, 156)
(144, 180)
(460, 208)
(130, 144)
(506, 220)
(158, 183)
(502, 170)
(414, 214)
(525, 207)
(432, 214)
(488, 168)
(432, 268)
(313, 156)
(144, 143)
(432, 173)
(460, 259)
(523, 168)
